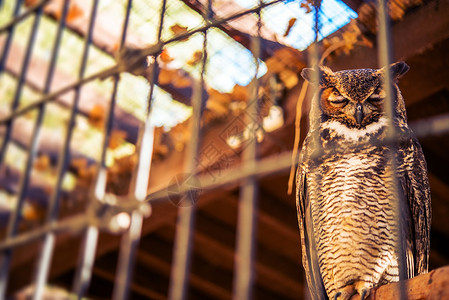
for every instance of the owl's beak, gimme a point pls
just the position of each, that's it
(358, 113)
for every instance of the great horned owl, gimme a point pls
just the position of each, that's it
(346, 211)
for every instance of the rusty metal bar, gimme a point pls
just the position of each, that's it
(49, 242)
(90, 239)
(384, 57)
(248, 199)
(45, 259)
(182, 249)
(138, 187)
(71, 225)
(267, 166)
(15, 214)
(9, 37)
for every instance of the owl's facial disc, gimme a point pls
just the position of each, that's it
(354, 113)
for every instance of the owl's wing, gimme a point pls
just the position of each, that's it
(309, 256)
(416, 189)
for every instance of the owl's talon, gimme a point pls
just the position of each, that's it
(345, 293)
(337, 295)
(364, 294)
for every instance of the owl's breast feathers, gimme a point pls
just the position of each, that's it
(346, 210)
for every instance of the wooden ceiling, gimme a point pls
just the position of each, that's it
(421, 38)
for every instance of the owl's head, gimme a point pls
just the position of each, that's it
(355, 98)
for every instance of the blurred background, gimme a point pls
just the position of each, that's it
(80, 79)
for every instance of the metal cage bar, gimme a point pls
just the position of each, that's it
(45, 258)
(247, 207)
(384, 59)
(14, 218)
(183, 242)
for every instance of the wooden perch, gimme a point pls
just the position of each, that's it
(432, 285)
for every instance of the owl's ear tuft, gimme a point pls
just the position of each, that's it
(309, 74)
(398, 69)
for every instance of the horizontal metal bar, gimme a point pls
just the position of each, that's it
(73, 225)
(431, 126)
(274, 164)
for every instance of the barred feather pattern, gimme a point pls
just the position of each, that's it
(354, 219)
(352, 208)
(347, 214)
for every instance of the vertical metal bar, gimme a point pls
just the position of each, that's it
(15, 213)
(49, 241)
(9, 37)
(182, 249)
(247, 207)
(384, 57)
(47, 250)
(129, 243)
(138, 187)
(90, 239)
(21, 79)
(45, 258)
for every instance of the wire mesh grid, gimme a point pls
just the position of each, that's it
(106, 58)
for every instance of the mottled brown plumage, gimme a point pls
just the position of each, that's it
(346, 208)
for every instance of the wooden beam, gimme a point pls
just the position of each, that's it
(153, 285)
(144, 291)
(353, 4)
(432, 285)
(405, 45)
(274, 272)
(156, 253)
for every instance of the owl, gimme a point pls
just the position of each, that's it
(346, 209)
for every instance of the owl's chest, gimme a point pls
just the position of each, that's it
(349, 182)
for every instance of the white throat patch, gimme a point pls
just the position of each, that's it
(354, 134)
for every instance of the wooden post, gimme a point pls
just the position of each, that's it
(432, 285)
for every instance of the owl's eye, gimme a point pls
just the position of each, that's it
(338, 101)
(376, 98)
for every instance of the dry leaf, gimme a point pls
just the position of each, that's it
(291, 23)
(180, 134)
(42, 163)
(196, 58)
(181, 81)
(32, 212)
(74, 12)
(307, 7)
(97, 116)
(240, 93)
(78, 163)
(289, 78)
(117, 138)
(166, 76)
(175, 77)
(31, 2)
(178, 29)
(160, 147)
(165, 57)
